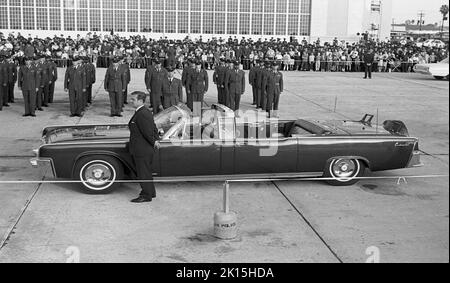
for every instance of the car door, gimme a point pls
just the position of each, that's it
(264, 154)
(182, 155)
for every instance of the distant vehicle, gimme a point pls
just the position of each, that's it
(431, 43)
(439, 70)
(228, 148)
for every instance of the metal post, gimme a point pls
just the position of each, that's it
(226, 197)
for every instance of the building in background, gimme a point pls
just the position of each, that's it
(308, 19)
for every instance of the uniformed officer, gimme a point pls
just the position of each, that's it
(235, 86)
(12, 79)
(42, 70)
(219, 80)
(229, 68)
(252, 78)
(153, 82)
(264, 77)
(53, 77)
(274, 88)
(3, 82)
(90, 79)
(115, 83)
(258, 81)
(75, 83)
(197, 84)
(187, 71)
(172, 89)
(28, 82)
(126, 70)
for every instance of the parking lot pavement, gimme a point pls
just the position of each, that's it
(282, 221)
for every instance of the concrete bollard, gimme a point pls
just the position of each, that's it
(225, 222)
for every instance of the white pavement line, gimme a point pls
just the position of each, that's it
(230, 180)
(309, 224)
(315, 103)
(22, 212)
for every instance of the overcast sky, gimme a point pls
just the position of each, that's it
(408, 9)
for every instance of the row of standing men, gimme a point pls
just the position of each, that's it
(37, 80)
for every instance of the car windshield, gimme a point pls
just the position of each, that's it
(169, 117)
(445, 61)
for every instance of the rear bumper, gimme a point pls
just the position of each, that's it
(415, 161)
(43, 162)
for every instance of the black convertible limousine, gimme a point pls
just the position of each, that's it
(219, 146)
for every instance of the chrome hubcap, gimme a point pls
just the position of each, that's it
(97, 174)
(345, 169)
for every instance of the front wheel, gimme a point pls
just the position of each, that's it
(98, 173)
(344, 172)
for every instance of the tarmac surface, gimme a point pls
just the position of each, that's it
(290, 221)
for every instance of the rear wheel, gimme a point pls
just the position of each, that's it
(98, 173)
(344, 171)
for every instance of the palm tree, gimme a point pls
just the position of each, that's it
(444, 12)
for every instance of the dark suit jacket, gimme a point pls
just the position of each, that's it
(12, 73)
(143, 133)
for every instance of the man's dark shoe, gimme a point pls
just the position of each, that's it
(141, 199)
(26, 115)
(5, 105)
(73, 115)
(32, 115)
(119, 115)
(40, 109)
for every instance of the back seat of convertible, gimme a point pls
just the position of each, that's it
(303, 127)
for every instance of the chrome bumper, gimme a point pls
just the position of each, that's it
(415, 160)
(43, 162)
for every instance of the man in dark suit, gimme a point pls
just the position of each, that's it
(43, 69)
(143, 141)
(369, 58)
(115, 83)
(75, 84)
(197, 84)
(235, 86)
(28, 82)
(252, 77)
(172, 90)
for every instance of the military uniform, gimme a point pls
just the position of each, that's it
(153, 82)
(197, 84)
(90, 80)
(219, 80)
(126, 70)
(172, 92)
(3, 83)
(252, 79)
(53, 78)
(187, 71)
(115, 83)
(42, 95)
(12, 79)
(235, 87)
(274, 87)
(264, 77)
(75, 82)
(28, 82)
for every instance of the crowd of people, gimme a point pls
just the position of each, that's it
(33, 63)
(138, 51)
